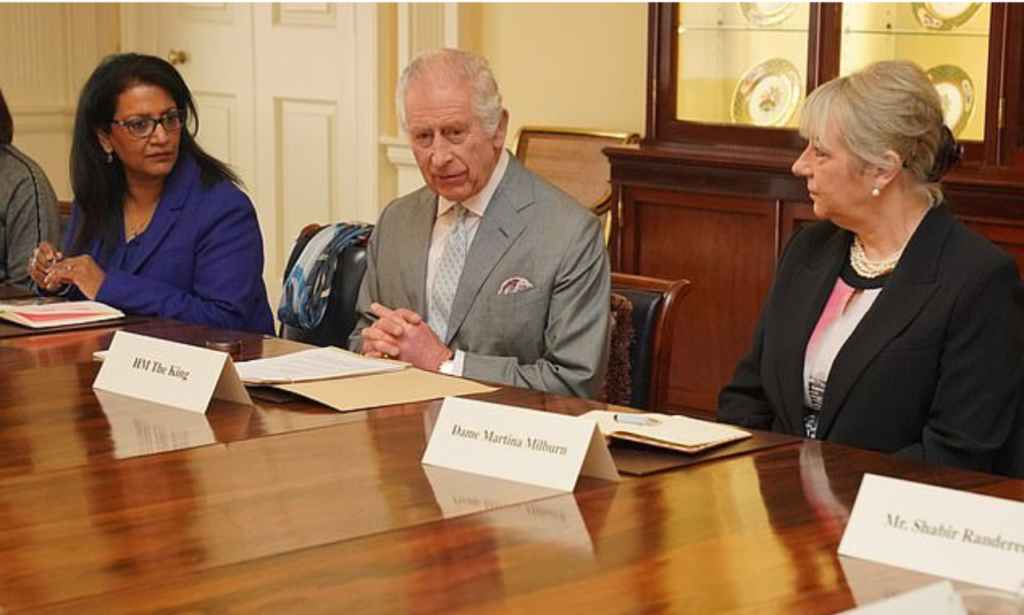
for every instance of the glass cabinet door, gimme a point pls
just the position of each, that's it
(949, 40)
(735, 74)
(742, 63)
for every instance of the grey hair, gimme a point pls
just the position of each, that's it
(460, 66)
(890, 105)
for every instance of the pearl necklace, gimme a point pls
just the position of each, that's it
(867, 268)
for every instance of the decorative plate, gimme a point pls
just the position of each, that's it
(944, 15)
(768, 94)
(767, 13)
(956, 90)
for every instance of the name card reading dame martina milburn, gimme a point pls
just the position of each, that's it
(169, 373)
(963, 536)
(526, 446)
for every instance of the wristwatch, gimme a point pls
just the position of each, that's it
(447, 367)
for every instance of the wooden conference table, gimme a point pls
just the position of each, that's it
(293, 508)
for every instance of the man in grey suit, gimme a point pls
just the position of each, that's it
(488, 271)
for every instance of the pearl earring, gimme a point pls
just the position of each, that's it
(110, 157)
(875, 192)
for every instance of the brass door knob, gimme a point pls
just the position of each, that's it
(176, 57)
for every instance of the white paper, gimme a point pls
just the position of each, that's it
(58, 314)
(314, 364)
(954, 534)
(670, 429)
(528, 446)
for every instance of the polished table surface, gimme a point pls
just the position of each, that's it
(293, 508)
(9, 292)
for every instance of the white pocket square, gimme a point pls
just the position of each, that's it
(514, 285)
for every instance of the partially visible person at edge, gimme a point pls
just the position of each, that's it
(530, 306)
(159, 227)
(28, 206)
(890, 325)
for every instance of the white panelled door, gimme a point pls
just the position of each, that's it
(287, 94)
(316, 105)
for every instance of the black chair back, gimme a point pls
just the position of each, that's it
(340, 316)
(655, 304)
(646, 308)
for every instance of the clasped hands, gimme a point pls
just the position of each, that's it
(403, 334)
(51, 271)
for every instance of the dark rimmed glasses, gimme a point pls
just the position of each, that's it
(144, 127)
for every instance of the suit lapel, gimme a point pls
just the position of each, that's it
(498, 230)
(904, 296)
(800, 309)
(415, 237)
(172, 201)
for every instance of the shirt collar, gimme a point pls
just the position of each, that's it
(479, 201)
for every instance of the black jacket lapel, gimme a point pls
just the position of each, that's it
(905, 294)
(798, 314)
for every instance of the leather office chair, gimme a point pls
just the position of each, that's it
(340, 316)
(655, 303)
(573, 160)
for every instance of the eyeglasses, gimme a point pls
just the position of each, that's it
(144, 127)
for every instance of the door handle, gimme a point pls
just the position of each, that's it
(177, 56)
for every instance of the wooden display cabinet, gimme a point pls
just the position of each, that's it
(711, 197)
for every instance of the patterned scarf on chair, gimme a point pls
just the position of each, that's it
(308, 286)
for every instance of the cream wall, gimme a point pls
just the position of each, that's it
(47, 50)
(579, 65)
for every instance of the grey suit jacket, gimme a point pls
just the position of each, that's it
(552, 337)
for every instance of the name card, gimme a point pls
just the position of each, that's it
(169, 373)
(937, 598)
(964, 536)
(526, 446)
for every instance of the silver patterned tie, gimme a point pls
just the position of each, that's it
(449, 270)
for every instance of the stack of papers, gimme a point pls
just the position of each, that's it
(41, 316)
(309, 365)
(673, 432)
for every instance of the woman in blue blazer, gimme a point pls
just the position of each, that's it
(159, 227)
(890, 325)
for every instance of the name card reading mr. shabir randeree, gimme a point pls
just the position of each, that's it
(944, 532)
(527, 446)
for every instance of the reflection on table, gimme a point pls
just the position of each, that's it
(291, 507)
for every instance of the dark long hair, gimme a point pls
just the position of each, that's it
(100, 186)
(6, 122)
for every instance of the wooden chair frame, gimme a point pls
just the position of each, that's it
(523, 137)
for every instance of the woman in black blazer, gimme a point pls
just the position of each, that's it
(890, 325)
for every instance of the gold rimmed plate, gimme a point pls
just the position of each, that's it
(944, 15)
(767, 13)
(767, 94)
(956, 90)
